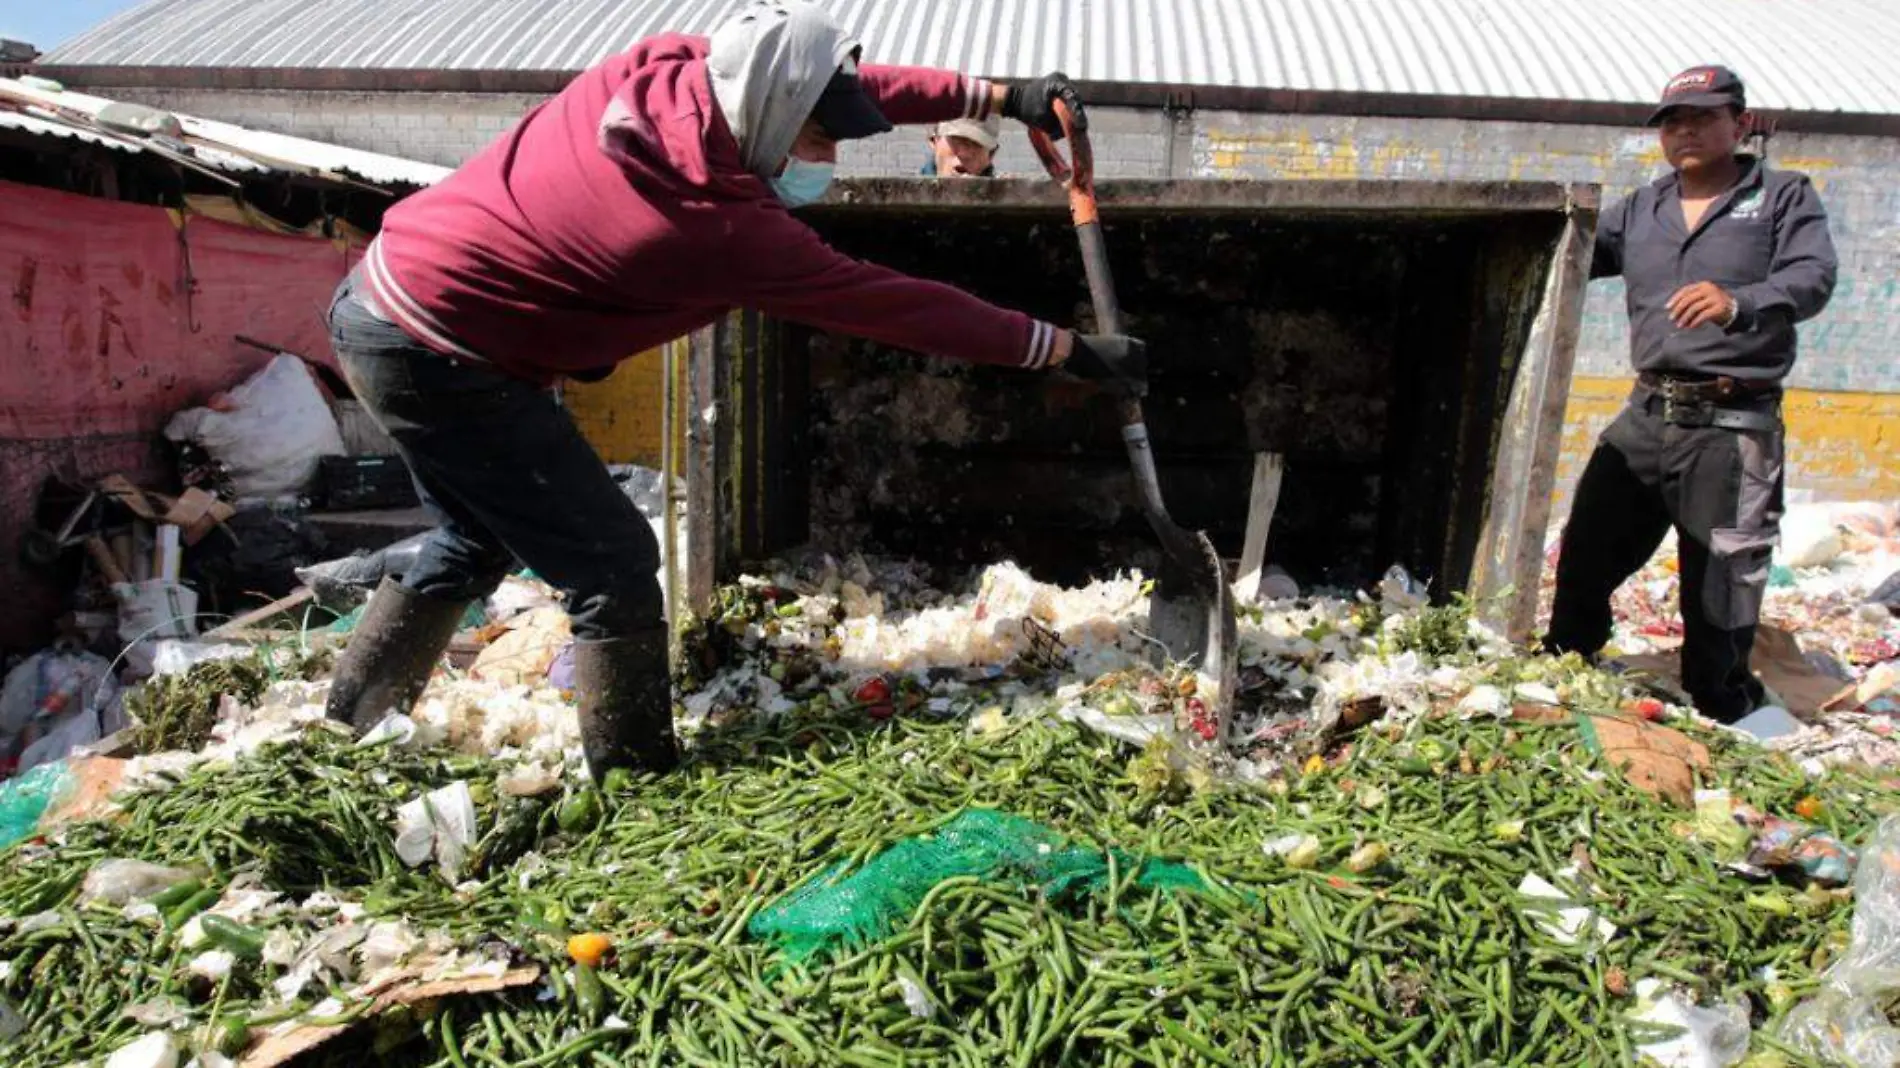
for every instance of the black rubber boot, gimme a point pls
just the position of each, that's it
(391, 654)
(626, 704)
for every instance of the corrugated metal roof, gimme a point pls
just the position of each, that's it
(13, 120)
(1797, 55)
(219, 145)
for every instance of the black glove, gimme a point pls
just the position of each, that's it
(1118, 360)
(1033, 103)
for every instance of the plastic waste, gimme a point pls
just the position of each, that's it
(346, 579)
(1845, 1022)
(11, 1022)
(1714, 1037)
(1887, 593)
(1809, 538)
(175, 657)
(1277, 585)
(1400, 592)
(44, 694)
(439, 824)
(270, 438)
(156, 1049)
(1740, 834)
(1770, 721)
(121, 881)
(25, 798)
(149, 612)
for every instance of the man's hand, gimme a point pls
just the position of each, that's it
(1701, 304)
(1033, 103)
(1117, 360)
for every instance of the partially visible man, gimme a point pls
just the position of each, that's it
(1720, 258)
(648, 198)
(964, 148)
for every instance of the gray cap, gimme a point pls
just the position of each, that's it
(986, 132)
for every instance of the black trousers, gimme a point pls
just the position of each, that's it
(1722, 491)
(503, 470)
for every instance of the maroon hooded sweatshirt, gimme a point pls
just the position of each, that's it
(574, 242)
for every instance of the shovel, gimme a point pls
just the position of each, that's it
(1191, 612)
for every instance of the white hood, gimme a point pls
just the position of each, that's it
(769, 64)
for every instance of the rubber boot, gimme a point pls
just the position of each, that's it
(391, 654)
(626, 704)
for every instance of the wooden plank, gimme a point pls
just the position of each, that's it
(248, 620)
(1262, 499)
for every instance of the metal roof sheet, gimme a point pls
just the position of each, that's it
(1797, 55)
(13, 120)
(219, 145)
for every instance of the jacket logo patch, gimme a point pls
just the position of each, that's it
(1747, 206)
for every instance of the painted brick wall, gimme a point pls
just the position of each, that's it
(1851, 347)
(1848, 353)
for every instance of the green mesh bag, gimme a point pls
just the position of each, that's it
(842, 908)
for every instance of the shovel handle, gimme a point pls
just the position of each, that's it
(1078, 173)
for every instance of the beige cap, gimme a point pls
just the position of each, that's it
(986, 132)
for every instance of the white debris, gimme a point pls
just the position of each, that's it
(1571, 919)
(916, 998)
(439, 824)
(1485, 701)
(212, 966)
(389, 943)
(156, 1049)
(1711, 1037)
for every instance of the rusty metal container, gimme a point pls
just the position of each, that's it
(1405, 347)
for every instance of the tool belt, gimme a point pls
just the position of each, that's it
(1718, 401)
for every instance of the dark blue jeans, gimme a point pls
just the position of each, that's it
(502, 469)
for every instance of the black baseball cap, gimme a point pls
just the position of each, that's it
(1702, 87)
(844, 112)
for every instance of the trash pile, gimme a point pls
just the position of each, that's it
(1829, 643)
(919, 827)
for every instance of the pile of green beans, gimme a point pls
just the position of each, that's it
(1403, 942)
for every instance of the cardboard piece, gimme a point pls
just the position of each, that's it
(1660, 761)
(1538, 712)
(522, 656)
(292, 1040)
(1776, 658)
(195, 512)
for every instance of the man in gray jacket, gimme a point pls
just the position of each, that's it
(1721, 258)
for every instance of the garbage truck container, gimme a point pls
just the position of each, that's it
(1404, 347)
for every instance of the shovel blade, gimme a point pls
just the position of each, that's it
(1191, 614)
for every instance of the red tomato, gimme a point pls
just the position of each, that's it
(874, 691)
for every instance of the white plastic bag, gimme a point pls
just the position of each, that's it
(122, 881)
(175, 657)
(1809, 538)
(1710, 1038)
(47, 695)
(1844, 1021)
(277, 429)
(155, 609)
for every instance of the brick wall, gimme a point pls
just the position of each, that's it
(1851, 347)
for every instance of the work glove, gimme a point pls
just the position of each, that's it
(1032, 103)
(1116, 360)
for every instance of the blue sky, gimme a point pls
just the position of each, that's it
(47, 23)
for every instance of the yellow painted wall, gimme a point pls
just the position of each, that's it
(1841, 445)
(621, 416)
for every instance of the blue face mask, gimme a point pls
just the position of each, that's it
(802, 181)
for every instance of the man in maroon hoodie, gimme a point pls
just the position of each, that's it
(644, 201)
